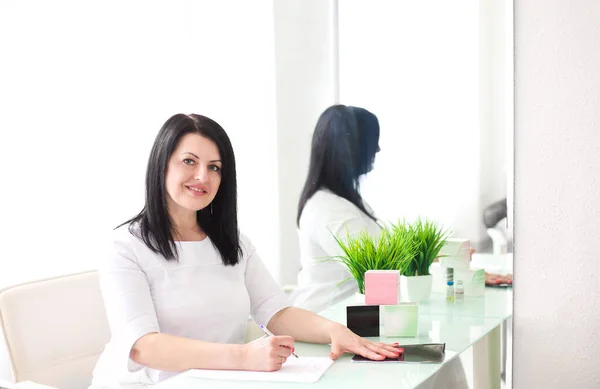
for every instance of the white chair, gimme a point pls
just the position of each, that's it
(494, 219)
(253, 331)
(54, 329)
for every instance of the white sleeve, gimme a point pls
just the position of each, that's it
(127, 300)
(352, 226)
(266, 297)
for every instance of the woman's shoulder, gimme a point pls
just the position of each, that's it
(326, 204)
(125, 239)
(124, 233)
(246, 245)
(117, 246)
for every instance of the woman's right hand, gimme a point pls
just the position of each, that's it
(267, 353)
(498, 279)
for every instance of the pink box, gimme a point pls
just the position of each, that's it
(382, 287)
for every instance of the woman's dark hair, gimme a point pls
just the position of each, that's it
(344, 145)
(218, 221)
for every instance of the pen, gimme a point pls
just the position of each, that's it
(266, 331)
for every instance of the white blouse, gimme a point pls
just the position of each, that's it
(326, 214)
(197, 297)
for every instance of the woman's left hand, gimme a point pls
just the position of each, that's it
(345, 341)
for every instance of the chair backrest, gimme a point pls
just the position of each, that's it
(55, 329)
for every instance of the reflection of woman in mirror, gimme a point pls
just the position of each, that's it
(179, 281)
(344, 145)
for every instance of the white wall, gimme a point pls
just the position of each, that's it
(557, 186)
(85, 87)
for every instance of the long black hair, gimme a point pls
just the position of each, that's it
(218, 221)
(344, 145)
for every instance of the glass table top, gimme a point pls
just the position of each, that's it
(458, 332)
(458, 324)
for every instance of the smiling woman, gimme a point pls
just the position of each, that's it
(179, 280)
(192, 159)
(192, 175)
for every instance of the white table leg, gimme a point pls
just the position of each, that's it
(487, 360)
(508, 365)
(504, 344)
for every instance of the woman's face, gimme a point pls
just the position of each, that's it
(193, 173)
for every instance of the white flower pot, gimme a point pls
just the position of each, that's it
(415, 289)
(360, 298)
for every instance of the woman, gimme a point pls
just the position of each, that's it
(180, 281)
(344, 145)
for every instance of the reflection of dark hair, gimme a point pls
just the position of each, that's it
(344, 145)
(219, 222)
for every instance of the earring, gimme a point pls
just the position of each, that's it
(211, 209)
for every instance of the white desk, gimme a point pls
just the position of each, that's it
(475, 322)
(455, 325)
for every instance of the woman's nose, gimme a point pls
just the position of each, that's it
(202, 174)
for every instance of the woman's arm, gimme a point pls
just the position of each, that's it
(172, 353)
(136, 332)
(270, 305)
(302, 325)
(306, 326)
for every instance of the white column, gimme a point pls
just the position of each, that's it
(495, 102)
(305, 72)
(557, 186)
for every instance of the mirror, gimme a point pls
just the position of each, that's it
(439, 76)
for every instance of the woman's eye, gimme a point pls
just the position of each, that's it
(214, 168)
(188, 161)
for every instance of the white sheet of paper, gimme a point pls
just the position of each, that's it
(303, 369)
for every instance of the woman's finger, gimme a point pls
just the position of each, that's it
(368, 353)
(282, 340)
(283, 351)
(386, 346)
(389, 346)
(385, 350)
(279, 360)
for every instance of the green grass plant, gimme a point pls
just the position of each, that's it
(392, 251)
(428, 237)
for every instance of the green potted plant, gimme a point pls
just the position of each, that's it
(391, 251)
(428, 239)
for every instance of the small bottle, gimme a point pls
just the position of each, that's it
(459, 293)
(450, 291)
